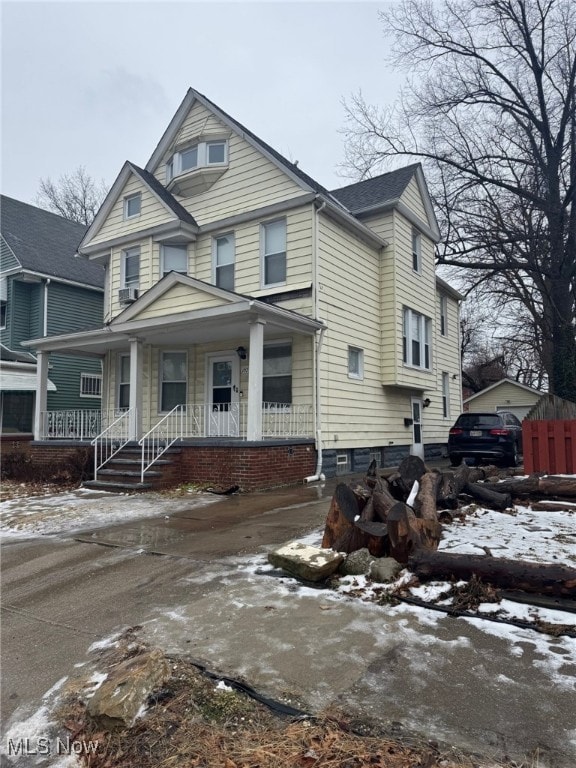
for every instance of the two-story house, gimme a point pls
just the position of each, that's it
(272, 328)
(45, 289)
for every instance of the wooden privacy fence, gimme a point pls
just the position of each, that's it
(549, 446)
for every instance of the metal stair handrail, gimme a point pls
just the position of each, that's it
(161, 437)
(112, 439)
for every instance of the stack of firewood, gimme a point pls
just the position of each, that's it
(400, 517)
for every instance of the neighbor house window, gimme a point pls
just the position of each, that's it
(90, 385)
(277, 374)
(443, 315)
(355, 363)
(173, 380)
(123, 398)
(416, 250)
(445, 395)
(201, 155)
(416, 339)
(132, 205)
(3, 301)
(131, 268)
(274, 252)
(174, 258)
(223, 261)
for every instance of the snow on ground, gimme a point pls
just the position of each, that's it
(28, 517)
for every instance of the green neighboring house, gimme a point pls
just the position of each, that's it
(45, 290)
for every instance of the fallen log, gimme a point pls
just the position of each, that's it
(536, 485)
(347, 530)
(540, 578)
(425, 504)
(488, 497)
(408, 533)
(451, 486)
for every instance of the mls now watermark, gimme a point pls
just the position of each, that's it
(46, 746)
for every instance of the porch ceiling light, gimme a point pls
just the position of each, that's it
(241, 352)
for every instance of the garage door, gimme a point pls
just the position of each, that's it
(520, 411)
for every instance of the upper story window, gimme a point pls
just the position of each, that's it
(443, 316)
(445, 395)
(416, 250)
(223, 261)
(273, 243)
(355, 363)
(173, 258)
(131, 268)
(132, 205)
(3, 301)
(204, 154)
(416, 340)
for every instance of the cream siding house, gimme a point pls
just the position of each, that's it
(246, 304)
(504, 395)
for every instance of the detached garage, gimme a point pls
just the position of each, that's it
(505, 395)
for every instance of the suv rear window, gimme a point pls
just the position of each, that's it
(471, 420)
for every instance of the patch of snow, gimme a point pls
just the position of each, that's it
(223, 687)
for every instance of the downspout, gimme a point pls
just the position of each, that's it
(45, 308)
(318, 349)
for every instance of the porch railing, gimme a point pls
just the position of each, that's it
(110, 441)
(157, 441)
(74, 424)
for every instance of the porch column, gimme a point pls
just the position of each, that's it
(255, 370)
(136, 378)
(41, 400)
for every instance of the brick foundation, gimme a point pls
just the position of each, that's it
(16, 443)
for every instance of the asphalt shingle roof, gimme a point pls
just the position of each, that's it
(164, 195)
(46, 243)
(376, 191)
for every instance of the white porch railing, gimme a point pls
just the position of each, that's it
(112, 439)
(74, 425)
(161, 437)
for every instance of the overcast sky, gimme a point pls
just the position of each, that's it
(95, 84)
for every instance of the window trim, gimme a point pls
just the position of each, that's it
(443, 315)
(120, 383)
(161, 353)
(416, 246)
(127, 200)
(445, 395)
(264, 255)
(215, 265)
(174, 163)
(411, 318)
(351, 374)
(127, 253)
(163, 271)
(96, 377)
(278, 343)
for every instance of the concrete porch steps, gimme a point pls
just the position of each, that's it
(123, 471)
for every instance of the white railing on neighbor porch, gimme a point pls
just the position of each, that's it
(112, 439)
(283, 421)
(74, 425)
(161, 437)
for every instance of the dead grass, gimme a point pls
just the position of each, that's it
(14, 489)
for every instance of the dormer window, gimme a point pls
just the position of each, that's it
(204, 154)
(132, 206)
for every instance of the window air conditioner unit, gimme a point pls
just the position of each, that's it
(127, 295)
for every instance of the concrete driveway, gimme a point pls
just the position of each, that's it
(196, 577)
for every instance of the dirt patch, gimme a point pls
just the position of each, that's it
(196, 722)
(12, 489)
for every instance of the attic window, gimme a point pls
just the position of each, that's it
(204, 154)
(132, 205)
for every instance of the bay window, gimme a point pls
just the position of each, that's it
(416, 340)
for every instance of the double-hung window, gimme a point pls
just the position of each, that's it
(416, 339)
(277, 374)
(355, 363)
(174, 258)
(273, 240)
(445, 395)
(223, 261)
(443, 316)
(173, 380)
(131, 268)
(416, 250)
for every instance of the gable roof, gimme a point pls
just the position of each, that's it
(151, 182)
(45, 243)
(376, 191)
(523, 387)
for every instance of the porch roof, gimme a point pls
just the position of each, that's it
(200, 326)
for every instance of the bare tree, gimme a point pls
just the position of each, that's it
(75, 196)
(491, 111)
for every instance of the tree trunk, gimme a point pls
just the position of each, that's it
(488, 497)
(549, 485)
(408, 533)
(425, 504)
(347, 530)
(542, 578)
(452, 485)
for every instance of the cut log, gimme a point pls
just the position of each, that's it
(408, 533)
(488, 497)
(383, 501)
(376, 537)
(425, 504)
(553, 506)
(346, 530)
(451, 487)
(535, 485)
(540, 578)
(411, 470)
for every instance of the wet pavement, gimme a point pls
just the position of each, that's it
(196, 577)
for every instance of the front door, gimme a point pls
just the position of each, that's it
(417, 445)
(223, 417)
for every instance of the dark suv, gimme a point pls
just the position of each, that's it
(491, 436)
